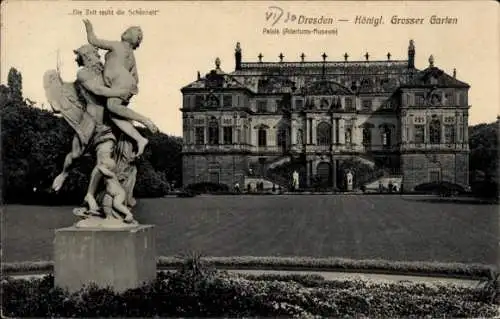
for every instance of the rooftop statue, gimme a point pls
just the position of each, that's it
(95, 106)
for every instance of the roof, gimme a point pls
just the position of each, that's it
(434, 77)
(325, 77)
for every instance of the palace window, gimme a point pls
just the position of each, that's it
(262, 106)
(262, 137)
(419, 134)
(449, 134)
(186, 133)
(367, 136)
(299, 103)
(349, 104)
(435, 131)
(450, 98)
(386, 136)
(227, 100)
(367, 104)
(213, 132)
(324, 134)
(199, 134)
(348, 136)
(419, 99)
(199, 100)
(434, 176)
(282, 137)
(213, 101)
(463, 99)
(228, 134)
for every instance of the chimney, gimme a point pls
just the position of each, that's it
(237, 56)
(411, 55)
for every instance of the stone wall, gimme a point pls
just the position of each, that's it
(418, 168)
(225, 169)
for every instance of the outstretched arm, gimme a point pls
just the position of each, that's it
(91, 83)
(92, 38)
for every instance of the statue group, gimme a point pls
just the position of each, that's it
(96, 107)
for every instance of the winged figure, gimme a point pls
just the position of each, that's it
(83, 105)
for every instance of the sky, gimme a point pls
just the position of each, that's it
(182, 38)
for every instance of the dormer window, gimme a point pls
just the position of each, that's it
(199, 100)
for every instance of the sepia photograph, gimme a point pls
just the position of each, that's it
(305, 159)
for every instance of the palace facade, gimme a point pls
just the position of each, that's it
(312, 116)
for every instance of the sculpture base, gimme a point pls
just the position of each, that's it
(118, 258)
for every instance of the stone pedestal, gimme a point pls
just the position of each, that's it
(119, 258)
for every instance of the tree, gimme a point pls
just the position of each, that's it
(483, 143)
(15, 84)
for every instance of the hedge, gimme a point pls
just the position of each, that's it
(204, 292)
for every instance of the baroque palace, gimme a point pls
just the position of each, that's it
(269, 119)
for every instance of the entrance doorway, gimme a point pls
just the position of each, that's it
(324, 173)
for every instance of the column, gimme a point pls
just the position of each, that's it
(206, 134)
(221, 132)
(306, 133)
(426, 132)
(308, 173)
(354, 134)
(334, 131)
(293, 132)
(334, 173)
(313, 130)
(466, 130)
(404, 124)
(332, 126)
(442, 129)
(341, 131)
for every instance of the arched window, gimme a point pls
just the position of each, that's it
(324, 134)
(435, 131)
(262, 137)
(367, 136)
(213, 131)
(386, 136)
(348, 136)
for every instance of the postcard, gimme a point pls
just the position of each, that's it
(339, 140)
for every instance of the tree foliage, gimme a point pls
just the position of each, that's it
(15, 84)
(483, 143)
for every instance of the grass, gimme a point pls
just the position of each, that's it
(386, 227)
(458, 270)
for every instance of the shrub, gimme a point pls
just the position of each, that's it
(190, 292)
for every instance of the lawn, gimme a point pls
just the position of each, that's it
(389, 227)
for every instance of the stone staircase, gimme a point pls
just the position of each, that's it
(279, 161)
(268, 183)
(385, 180)
(366, 160)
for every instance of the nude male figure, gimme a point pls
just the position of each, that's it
(120, 71)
